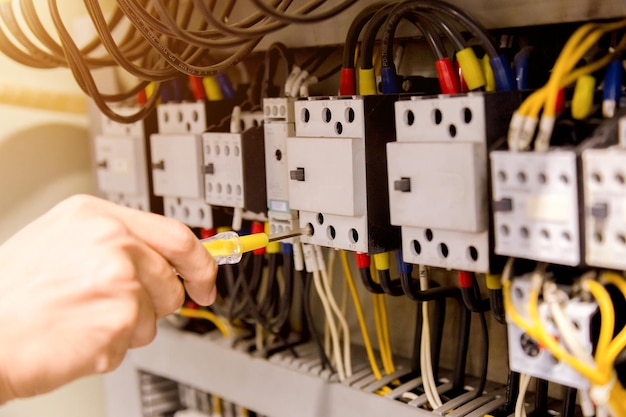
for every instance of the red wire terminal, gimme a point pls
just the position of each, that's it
(142, 97)
(258, 227)
(207, 233)
(462, 84)
(465, 279)
(197, 87)
(448, 79)
(362, 260)
(347, 85)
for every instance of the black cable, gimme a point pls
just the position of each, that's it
(389, 286)
(511, 392)
(497, 305)
(284, 55)
(328, 74)
(352, 37)
(369, 35)
(458, 377)
(368, 282)
(271, 296)
(541, 396)
(485, 356)
(569, 402)
(281, 318)
(411, 288)
(416, 366)
(306, 304)
(471, 297)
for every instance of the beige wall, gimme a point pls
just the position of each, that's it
(44, 157)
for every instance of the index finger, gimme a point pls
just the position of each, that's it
(177, 244)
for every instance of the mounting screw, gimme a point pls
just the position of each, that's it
(403, 185)
(297, 174)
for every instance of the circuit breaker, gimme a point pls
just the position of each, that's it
(604, 186)
(338, 171)
(536, 205)
(279, 124)
(438, 177)
(121, 158)
(529, 357)
(234, 166)
(176, 159)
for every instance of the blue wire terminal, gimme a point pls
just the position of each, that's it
(612, 87)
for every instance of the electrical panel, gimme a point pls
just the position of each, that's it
(338, 171)
(234, 167)
(279, 124)
(121, 160)
(536, 205)
(529, 357)
(438, 177)
(176, 159)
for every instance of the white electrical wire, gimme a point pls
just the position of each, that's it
(347, 357)
(428, 379)
(520, 408)
(312, 265)
(317, 280)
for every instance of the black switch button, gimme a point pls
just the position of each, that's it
(297, 174)
(600, 211)
(506, 205)
(159, 165)
(403, 184)
(209, 169)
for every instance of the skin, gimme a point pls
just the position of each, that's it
(84, 283)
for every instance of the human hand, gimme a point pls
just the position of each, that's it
(84, 283)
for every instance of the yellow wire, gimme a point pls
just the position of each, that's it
(206, 315)
(382, 324)
(607, 315)
(619, 342)
(360, 316)
(386, 338)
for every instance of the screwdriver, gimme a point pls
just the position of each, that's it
(228, 247)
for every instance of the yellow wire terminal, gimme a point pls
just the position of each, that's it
(582, 101)
(488, 72)
(367, 82)
(471, 67)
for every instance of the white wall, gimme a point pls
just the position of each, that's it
(44, 157)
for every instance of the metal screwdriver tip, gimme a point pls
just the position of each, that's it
(275, 237)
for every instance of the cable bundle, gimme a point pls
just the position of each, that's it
(159, 40)
(525, 119)
(433, 18)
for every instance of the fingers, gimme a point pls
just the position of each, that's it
(145, 330)
(159, 280)
(172, 240)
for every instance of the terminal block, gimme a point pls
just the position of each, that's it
(438, 177)
(234, 166)
(338, 172)
(176, 159)
(536, 205)
(279, 124)
(529, 357)
(121, 154)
